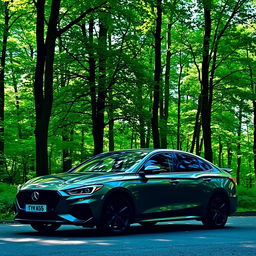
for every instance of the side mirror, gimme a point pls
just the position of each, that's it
(229, 170)
(151, 169)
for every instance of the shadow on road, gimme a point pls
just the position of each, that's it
(134, 230)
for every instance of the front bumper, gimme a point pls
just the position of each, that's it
(61, 208)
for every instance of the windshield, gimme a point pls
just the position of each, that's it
(111, 162)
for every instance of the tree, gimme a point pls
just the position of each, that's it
(157, 75)
(43, 84)
(2, 79)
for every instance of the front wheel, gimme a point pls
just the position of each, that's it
(116, 215)
(45, 227)
(217, 213)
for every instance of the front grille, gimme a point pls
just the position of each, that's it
(48, 197)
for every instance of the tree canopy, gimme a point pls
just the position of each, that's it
(81, 77)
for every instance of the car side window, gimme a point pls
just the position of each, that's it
(164, 161)
(187, 163)
(203, 165)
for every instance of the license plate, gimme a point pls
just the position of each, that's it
(36, 208)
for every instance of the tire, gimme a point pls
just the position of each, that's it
(116, 215)
(217, 212)
(45, 227)
(148, 224)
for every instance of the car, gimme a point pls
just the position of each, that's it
(115, 189)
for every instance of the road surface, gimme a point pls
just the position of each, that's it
(172, 238)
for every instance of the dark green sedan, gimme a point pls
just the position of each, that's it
(113, 190)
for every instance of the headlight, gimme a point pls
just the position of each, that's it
(87, 190)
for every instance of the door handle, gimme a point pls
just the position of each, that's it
(174, 182)
(207, 179)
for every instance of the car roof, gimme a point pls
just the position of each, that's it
(152, 151)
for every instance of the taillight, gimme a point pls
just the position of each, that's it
(233, 180)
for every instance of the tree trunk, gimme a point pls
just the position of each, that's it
(220, 152)
(140, 107)
(2, 80)
(166, 93)
(229, 155)
(17, 101)
(82, 145)
(206, 104)
(199, 140)
(197, 127)
(239, 146)
(254, 135)
(179, 103)
(43, 84)
(111, 136)
(66, 152)
(111, 141)
(157, 76)
(98, 122)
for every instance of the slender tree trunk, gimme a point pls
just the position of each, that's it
(198, 140)
(157, 76)
(197, 125)
(179, 105)
(254, 135)
(2, 80)
(239, 146)
(82, 146)
(206, 104)
(111, 137)
(111, 143)
(229, 155)
(17, 101)
(98, 123)
(165, 116)
(220, 152)
(66, 151)
(141, 116)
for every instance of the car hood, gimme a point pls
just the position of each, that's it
(70, 180)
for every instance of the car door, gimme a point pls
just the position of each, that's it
(192, 187)
(153, 190)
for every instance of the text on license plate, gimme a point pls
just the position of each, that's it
(36, 208)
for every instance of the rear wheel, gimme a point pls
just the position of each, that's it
(217, 212)
(45, 227)
(116, 215)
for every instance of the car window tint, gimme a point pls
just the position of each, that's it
(164, 161)
(187, 163)
(203, 165)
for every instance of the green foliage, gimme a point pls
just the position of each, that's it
(246, 198)
(7, 197)
(129, 83)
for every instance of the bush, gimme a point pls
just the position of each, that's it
(7, 197)
(246, 199)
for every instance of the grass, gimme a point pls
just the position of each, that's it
(246, 200)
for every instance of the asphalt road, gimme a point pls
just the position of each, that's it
(172, 238)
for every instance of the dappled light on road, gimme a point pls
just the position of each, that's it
(43, 241)
(165, 239)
